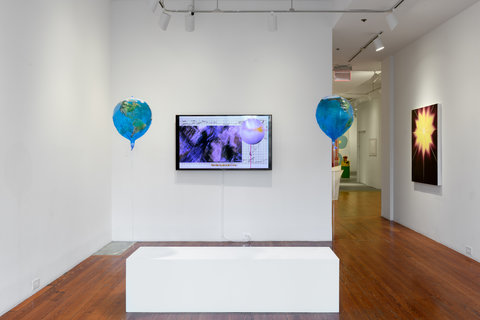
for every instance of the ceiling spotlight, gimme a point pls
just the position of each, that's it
(392, 20)
(190, 21)
(164, 20)
(378, 44)
(272, 22)
(153, 5)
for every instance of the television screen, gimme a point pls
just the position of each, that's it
(241, 142)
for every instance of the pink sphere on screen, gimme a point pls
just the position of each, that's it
(252, 131)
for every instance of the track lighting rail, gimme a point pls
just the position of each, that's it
(365, 46)
(291, 10)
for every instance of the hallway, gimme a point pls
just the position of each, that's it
(387, 272)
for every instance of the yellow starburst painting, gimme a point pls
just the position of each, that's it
(425, 145)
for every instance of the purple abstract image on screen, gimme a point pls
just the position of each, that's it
(210, 144)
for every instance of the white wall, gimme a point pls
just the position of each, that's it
(231, 64)
(55, 168)
(368, 127)
(387, 128)
(441, 67)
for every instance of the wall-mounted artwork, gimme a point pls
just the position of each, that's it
(224, 142)
(426, 162)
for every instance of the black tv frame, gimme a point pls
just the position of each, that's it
(177, 142)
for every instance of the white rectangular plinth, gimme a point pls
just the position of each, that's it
(232, 279)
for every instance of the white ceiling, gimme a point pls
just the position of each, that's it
(415, 17)
(361, 85)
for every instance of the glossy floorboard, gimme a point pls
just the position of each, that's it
(386, 272)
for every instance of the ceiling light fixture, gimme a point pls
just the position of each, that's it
(392, 20)
(378, 44)
(190, 20)
(164, 20)
(272, 22)
(153, 5)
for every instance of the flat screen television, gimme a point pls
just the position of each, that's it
(223, 142)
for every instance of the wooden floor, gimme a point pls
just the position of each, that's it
(386, 272)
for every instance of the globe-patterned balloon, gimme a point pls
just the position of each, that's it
(252, 131)
(132, 118)
(334, 116)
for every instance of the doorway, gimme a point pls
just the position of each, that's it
(360, 144)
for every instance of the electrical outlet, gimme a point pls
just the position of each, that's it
(468, 251)
(35, 284)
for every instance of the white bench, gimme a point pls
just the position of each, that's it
(233, 279)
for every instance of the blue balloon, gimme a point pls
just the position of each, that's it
(334, 116)
(132, 118)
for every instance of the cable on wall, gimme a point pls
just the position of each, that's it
(245, 240)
